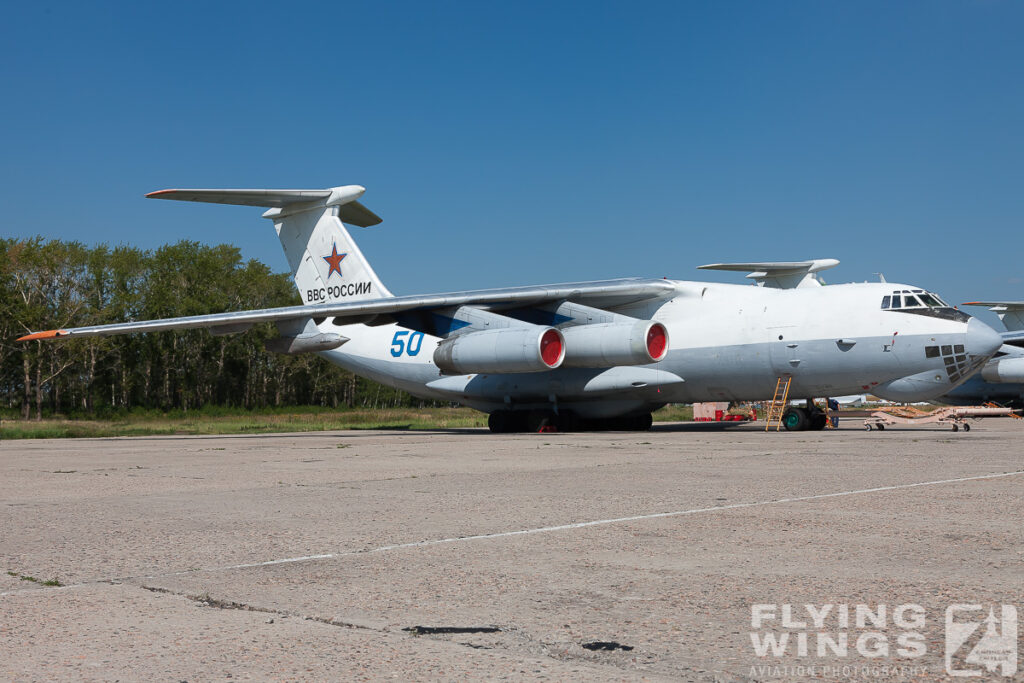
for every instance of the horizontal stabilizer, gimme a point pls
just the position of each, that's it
(350, 211)
(1010, 312)
(779, 274)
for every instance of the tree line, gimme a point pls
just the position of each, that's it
(52, 284)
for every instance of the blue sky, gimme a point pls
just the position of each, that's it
(517, 143)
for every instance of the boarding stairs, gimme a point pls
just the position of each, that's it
(779, 402)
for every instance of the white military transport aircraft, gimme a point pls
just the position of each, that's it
(1002, 378)
(593, 354)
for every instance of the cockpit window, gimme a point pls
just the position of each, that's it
(920, 302)
(917, 299)
(910, 301)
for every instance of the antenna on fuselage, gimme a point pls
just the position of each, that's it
(881, 278)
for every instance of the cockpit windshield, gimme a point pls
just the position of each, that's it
(923, 303)
(913, 298)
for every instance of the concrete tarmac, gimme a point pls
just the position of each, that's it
(316, 556)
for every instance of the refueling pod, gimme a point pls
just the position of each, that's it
(302, 336)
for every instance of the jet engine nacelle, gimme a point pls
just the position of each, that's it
(510, 349)
(611, 344)
(1004, 370)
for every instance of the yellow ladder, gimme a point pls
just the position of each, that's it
(779, 403)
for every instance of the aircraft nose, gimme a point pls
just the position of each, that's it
(982, 340)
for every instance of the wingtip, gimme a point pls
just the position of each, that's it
(158, 193)
(48, 334)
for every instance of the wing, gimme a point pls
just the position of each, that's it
(1010, 312)
(600, 294)
(780, 274)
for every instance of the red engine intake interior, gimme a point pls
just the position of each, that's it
(551, 348)
(657, 341)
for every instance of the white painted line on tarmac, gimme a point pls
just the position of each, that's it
(620, 520)
(537, 530)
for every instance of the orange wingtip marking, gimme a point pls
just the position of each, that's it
(159, 192)
(49, 334)
(970, 303)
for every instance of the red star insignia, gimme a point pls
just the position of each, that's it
(335, 261)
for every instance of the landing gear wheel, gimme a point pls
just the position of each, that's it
(867, 427)
(642, 423)
(881, 428)
(567, 421)
(506, 422)
(967, 427)
(500, 422)
(956, 428)
(795, 420)
(818, 420)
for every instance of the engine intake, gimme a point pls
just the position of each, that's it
(612, 344)
(512, 349)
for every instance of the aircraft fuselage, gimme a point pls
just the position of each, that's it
(726, 342)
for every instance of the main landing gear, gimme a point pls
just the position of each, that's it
(512, 421)
(800, 419)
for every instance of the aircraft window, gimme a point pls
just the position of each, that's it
(929, 300)
(896, 302)
(948, 360)
(940, 300)
(947, 350)
(959, 348)
(961, 359)
(910, 301)
(931, 352)
(885, 301)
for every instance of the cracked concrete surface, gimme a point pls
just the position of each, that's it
(309, 556)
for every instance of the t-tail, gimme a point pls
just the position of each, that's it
(326, 263)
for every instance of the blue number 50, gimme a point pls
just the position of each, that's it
(398, 344)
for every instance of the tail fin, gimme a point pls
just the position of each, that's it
(326, 263)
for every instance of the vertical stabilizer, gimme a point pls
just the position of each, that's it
(326, 263)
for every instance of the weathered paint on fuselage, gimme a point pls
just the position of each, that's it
(726, 342)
